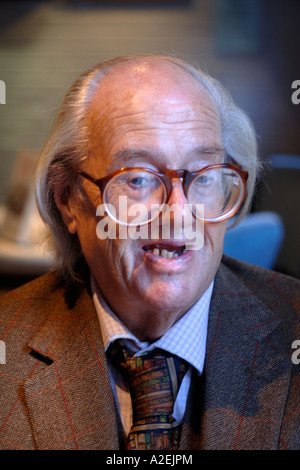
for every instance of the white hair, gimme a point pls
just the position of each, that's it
(67, 144)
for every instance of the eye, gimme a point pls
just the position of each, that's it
(204, 180)
(138, 181)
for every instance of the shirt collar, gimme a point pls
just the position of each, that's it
(186, 338)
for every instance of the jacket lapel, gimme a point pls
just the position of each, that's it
(239, 403)
(70, 402)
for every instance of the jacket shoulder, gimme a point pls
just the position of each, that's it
(277, 291)
(257, 277)
(49, 286)
(30, 301)
(43, 285)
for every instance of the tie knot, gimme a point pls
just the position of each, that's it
(153, 361)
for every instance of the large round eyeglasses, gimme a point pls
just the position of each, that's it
(220, 188)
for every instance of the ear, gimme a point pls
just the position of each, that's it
(66, 206)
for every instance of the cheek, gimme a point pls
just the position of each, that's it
(106, 255)
(214, 237)
(86, 231)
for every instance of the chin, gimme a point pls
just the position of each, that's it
(171, 298)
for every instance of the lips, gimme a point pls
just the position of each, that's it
(166, 251)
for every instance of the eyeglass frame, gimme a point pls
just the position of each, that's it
(187, 178)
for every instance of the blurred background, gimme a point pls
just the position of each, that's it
(252, 46)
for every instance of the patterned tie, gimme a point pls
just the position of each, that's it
(154, 379)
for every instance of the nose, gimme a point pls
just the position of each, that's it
(177, 195)
(179, 213)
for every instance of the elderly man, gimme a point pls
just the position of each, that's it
(140, 340)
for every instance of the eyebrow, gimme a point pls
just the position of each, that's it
(208, 149)
(125, 155)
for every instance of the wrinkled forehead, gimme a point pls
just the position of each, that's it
(153, 107)
(149, 84)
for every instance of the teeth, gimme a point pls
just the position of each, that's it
(165, 253)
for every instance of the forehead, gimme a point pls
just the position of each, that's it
(134, 82)
(150, 101)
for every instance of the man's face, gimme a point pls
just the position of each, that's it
(158, 117)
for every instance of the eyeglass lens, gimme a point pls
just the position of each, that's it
(218, 189)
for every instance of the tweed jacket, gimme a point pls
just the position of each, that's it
(55, 389)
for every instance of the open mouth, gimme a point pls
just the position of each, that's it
(166, 251)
